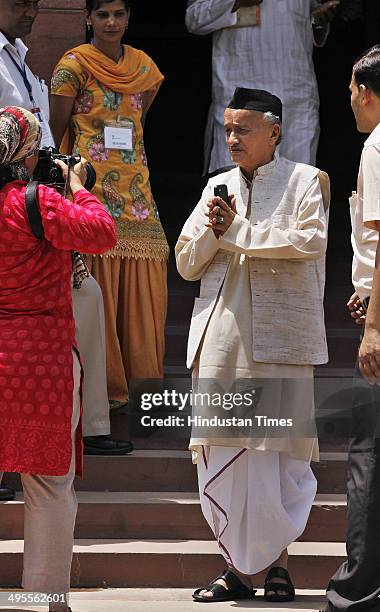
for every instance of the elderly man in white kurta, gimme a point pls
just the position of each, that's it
(259, 316)
(267, 46)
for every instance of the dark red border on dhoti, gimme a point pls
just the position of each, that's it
(213, 501)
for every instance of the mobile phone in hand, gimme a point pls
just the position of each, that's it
(221, 191)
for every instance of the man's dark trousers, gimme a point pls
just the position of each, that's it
(356, 584)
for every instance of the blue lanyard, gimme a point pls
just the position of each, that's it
(22, 71)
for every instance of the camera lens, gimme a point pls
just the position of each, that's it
(54, 175)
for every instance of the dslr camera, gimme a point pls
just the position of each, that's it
(48, 173)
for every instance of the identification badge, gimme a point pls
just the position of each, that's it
(248, 16)
(118, 135)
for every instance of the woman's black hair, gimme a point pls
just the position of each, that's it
(93, 5)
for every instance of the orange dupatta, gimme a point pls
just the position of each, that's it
(129, 75)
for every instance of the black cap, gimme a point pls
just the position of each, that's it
(257, 100)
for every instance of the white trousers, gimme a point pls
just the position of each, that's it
(90, 334)
(256, 502)
(49, 519)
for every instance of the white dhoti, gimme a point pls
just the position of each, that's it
(90, 335)
(256, 503)
(256, 493)
(256, 487)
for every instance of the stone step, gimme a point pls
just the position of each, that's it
(172, 471)
(159, 516)
(169, 563)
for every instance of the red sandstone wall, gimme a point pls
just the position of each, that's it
(59, 26)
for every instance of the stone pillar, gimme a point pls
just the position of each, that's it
(59, 26)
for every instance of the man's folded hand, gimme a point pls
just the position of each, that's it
(356, 308)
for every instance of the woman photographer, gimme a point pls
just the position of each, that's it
(40, 373)
(105, 89)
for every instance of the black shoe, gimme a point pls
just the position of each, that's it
(6, 494)
(235, 589)
(104, 445)
(280, 591)
(118, 406)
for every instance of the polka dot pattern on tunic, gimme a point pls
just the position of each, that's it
(36, 324)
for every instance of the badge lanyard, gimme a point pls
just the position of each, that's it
(22, 71)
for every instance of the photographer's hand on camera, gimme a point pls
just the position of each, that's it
(77, 174)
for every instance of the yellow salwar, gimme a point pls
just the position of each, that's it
(135, 302)
(133, 275)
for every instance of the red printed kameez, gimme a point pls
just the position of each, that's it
(37, 330)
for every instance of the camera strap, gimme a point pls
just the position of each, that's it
(33, 210)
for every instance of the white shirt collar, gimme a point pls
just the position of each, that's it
(19, 46)
(262, 170)
(268, 168)
(374, 137)
(246, 181)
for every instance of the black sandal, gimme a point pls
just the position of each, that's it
(235, 589)
(275, 587)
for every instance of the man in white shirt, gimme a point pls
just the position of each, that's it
(264, 44)
(259, 320)
(20, 87)
(356, 585)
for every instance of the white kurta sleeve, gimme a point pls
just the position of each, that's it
(371, 186)
(197, 244)
(269, 240)
(206, 16)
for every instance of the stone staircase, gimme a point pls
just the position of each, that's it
(139, 520)
(140, 525)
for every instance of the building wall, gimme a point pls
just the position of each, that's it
(59, 26)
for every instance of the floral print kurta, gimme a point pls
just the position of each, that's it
(122, 176)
